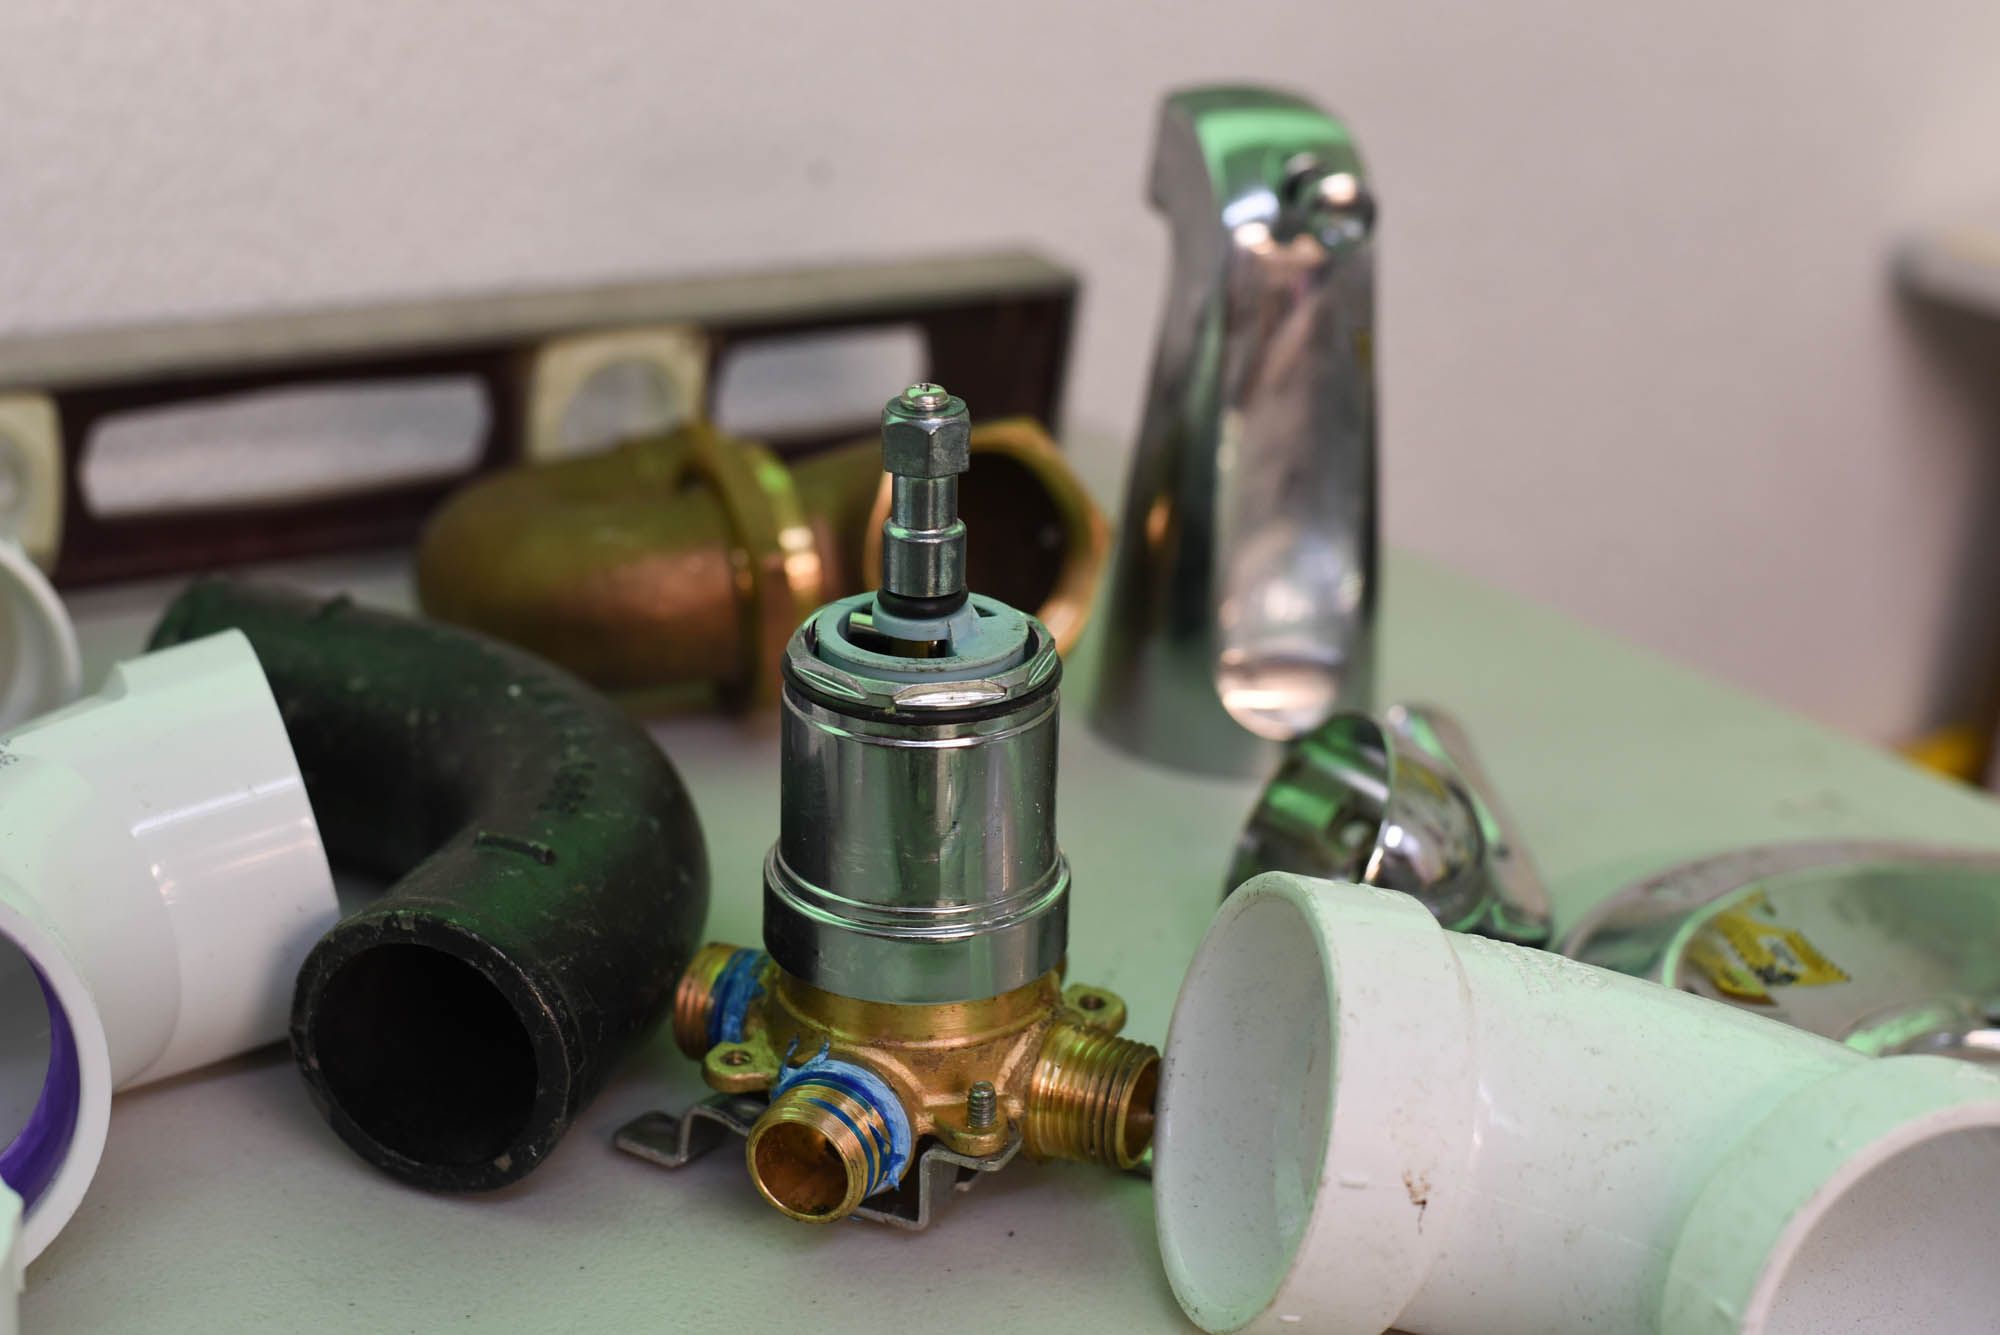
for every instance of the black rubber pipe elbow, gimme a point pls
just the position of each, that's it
(548, 881)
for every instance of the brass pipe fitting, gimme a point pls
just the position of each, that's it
(687, 560)
(1091, 1097)
(695, 997)
(819, 1150)
(1043, 1062)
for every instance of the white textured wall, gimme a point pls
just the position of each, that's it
(1640, 357)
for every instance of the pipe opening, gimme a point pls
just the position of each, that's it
(1091, 1098)
(1016, 543)
(425, 1055)
(41, 1089)
(1252, 1049)
(825, 1144)
(1906, 1246)
(801, 1170)
(1135, 1136)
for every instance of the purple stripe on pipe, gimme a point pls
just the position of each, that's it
(29, 1164)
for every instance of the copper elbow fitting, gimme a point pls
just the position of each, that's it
(687, 560)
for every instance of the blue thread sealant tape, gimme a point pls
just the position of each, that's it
(740, 983)
(858, 1082)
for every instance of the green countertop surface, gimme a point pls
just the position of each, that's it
(224, 1203)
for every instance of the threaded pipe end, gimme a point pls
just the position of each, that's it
(694, 997)
(1091, 1098)
(819, 1150)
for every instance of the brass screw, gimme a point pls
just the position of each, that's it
(982, 1106)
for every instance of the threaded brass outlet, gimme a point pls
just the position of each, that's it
(694, 998)
(818, 1151)
(1091, 1097)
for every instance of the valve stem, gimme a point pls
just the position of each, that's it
(926, 444)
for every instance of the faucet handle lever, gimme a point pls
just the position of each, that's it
(1521, 909)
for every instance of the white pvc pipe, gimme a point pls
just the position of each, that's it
(1366, 1121)
(40, 667)
(161, 880)
(11, 1263)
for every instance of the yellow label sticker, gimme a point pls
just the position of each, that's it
(1746, 952)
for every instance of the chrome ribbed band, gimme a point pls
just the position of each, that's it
(910, 955)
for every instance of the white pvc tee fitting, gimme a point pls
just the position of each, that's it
(161, 880)
(1366, 1121)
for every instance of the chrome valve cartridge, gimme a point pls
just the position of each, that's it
(916, 860)
(908, 1026)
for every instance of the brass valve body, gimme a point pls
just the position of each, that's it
(909, 1028)
(1059, 1075)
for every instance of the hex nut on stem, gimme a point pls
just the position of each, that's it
(921, 440)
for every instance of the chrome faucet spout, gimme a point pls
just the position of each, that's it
(1242, 592)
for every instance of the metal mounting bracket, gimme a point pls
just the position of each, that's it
(667, 1141)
